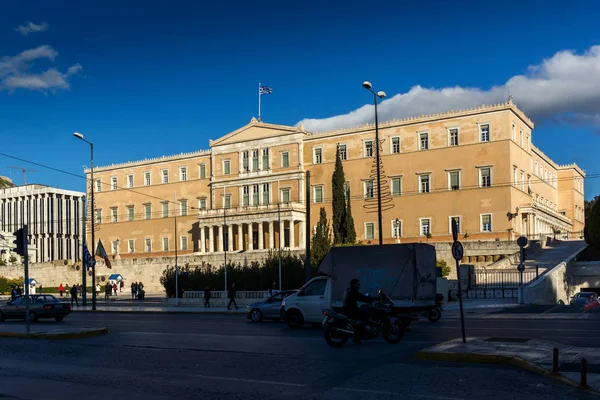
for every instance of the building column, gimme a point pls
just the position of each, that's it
(202, 246)
(260, 235)
(271, 235)
(291, 223)
(281, 238)
(229, 237)
(220, 238)
(250, 235)
(240, 237)
(301, 235)
(211, 239)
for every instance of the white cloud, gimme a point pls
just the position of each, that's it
(30, 27)
(15, 71)
(564, 87)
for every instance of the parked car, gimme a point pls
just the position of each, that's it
(40, 306)
(269, 308)
(581, 298)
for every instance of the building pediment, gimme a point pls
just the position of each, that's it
(256, 130)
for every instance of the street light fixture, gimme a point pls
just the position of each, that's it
(93, 217)
(397, 223)
(367, 85)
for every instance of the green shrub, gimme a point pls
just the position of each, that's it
(255, 276)
(6, 284)
(446, 269)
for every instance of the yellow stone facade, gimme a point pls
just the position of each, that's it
(249, 190)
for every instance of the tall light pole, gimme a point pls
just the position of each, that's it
(93, 217)
(367, 85)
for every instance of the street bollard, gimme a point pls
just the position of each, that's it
(537, 272)
(583, 373)
(555, 361)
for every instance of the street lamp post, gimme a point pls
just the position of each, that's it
(367, 85)
(93, 217)
(397, 223)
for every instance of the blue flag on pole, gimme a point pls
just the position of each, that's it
(89, 260)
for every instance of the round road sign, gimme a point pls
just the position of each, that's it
(521, 267)
(457, 251)
(522, 241)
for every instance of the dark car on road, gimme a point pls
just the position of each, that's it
(40, 306)
(269, 308)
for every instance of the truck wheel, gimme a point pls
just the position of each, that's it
(333, 337)
(393, 334)
(295, 320)
(434, 314)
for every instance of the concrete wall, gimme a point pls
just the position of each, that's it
(149, 270)
(555, 286)
(585, 275)
(146, 270)
(476, 253)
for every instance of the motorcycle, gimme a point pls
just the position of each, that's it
(339, 328)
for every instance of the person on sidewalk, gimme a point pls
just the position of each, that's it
(231, 296)
(74, 295)
(207, 297)
(133, 290)
(61, 289)
(107, 291)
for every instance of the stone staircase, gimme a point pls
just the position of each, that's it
(543, 255)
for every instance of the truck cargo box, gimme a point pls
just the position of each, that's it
(405, 272)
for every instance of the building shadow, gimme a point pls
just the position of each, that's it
(195, 232)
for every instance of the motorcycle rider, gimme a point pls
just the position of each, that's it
(351, 309)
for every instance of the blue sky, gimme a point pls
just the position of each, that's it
(150, 78)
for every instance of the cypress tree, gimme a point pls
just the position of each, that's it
(349, 231)
(338, 202)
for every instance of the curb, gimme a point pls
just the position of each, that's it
(161, 312)
(56, 336)
(427, 355)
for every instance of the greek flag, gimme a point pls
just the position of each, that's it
(265, 90)
(89, 260)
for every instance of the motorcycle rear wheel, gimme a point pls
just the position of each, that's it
(333, 337)
(393, 333)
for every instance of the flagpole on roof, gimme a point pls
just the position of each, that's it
(259, 102)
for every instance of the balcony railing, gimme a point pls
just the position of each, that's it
(251, 209)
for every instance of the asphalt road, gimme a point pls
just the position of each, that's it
(166, 356)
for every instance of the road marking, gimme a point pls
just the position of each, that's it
(386, 393)
(221, 378)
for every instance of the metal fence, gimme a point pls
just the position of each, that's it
(495, 284)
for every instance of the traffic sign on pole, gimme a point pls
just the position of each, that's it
(457, 251)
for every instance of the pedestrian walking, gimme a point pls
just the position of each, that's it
(207, 297)
(116, 289)
(231, 295)
(133, 290)
(41, 289)
(61, 289)
(74, 295)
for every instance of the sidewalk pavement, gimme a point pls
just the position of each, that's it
(43, 331)
(158, 309)
(529, 354)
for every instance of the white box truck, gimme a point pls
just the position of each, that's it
(405, 272)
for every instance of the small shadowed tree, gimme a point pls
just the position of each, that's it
(321, 240)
